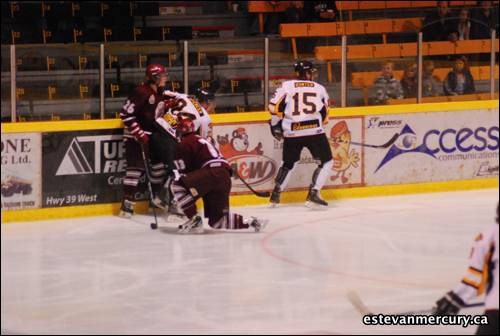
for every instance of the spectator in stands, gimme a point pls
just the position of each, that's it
(386, 86)
(409, 82)
(272, 21)
(462, 28)
(430, 83)
(295, 13)
(321, 11)
(459, 81)
(439, 25)
(483, 20)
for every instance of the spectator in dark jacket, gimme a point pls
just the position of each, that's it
(439, 25)
(462, 27)
(483, 20)
(321, 11)
(295, 13)
(459, 81)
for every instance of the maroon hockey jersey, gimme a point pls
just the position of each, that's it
(139, 111)
(195, 152)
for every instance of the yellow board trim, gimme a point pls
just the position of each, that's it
(80, 125)
(243, 200)
(60, 126)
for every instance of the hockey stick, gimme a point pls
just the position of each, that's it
(255, 192)
(387, 144)
(355, 300)
(154, 225)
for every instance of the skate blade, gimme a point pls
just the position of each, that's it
(263, 225)
(315, 206)
(124, 214)
(274, 205)
(191, 231)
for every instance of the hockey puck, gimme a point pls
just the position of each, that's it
(154, 226)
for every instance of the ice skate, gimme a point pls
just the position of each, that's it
(274, 200)
(258, 224)
(314, 200)
(127, 209)
(193, 225)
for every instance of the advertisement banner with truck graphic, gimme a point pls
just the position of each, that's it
(21, 171)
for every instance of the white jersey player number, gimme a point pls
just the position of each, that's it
(302, 103)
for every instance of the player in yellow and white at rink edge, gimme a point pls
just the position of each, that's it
(481, 278)
(299, 110)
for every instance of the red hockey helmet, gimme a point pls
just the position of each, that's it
(154, 71)
(185, 126)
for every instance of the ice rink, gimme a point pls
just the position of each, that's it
(103, 275)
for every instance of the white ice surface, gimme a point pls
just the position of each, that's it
(107, 275)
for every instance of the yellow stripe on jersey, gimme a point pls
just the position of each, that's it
(276, 109)
(476, 271)
(486, 269)
(471, 283)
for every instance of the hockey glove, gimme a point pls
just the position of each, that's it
(276, 130)
(176, 176)
(170, 103)
(449, 304)
(141, 137)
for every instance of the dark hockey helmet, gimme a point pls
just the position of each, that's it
(204, 95)
(303, 67)
(184, 126)
(154, 72)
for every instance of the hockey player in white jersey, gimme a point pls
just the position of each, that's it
(481, 278)
(196, 108)
(299, 110)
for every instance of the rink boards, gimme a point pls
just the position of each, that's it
(75, 168)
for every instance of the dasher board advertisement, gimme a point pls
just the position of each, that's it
(437, 146)
(84, 167)
(21, 171)
(256, 155)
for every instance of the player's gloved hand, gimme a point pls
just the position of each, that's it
(167, 94)
(449, 304)
(276, 130)
(142, 137)
(170, 103)
(176, 175)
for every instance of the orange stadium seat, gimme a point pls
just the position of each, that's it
(372, 4)
(398, 4)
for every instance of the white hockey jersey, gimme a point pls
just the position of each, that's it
(303, 107)
(482, 274)
(191, 107)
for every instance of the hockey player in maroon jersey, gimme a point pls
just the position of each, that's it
(142, 132)
(203, 173)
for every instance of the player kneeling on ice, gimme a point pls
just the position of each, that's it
(481, 277)
(203, 173)
(197, 108)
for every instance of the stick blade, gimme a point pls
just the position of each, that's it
(355, 300)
